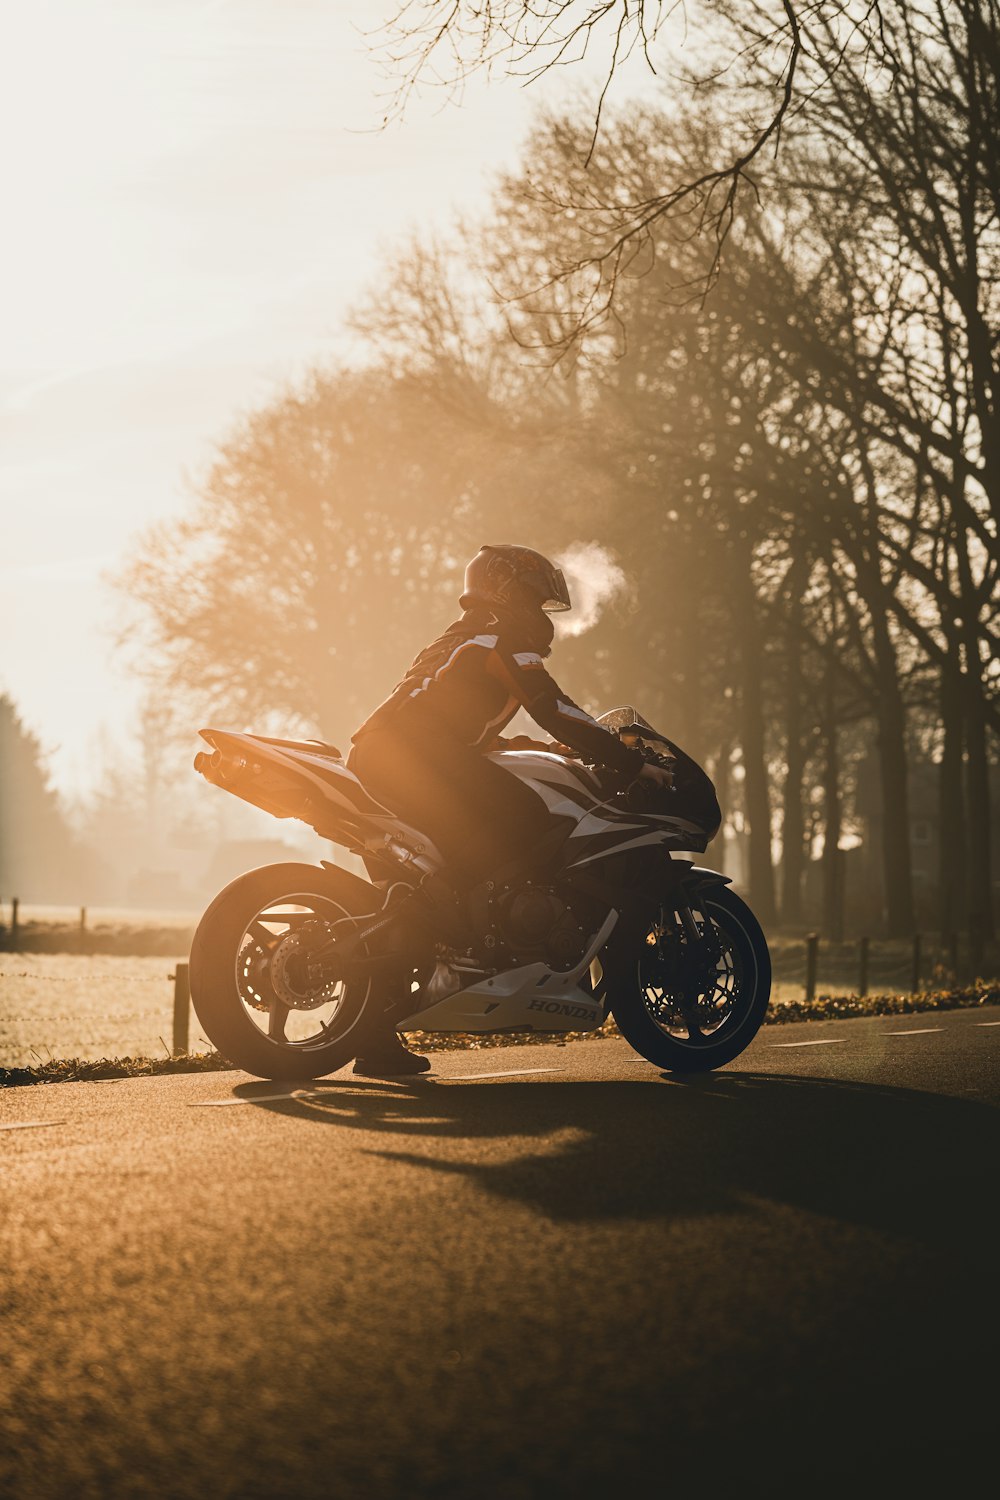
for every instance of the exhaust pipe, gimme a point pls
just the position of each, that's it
(208, 764)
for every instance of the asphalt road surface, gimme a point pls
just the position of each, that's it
(542, 1271)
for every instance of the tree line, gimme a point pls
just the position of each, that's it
(777, 410)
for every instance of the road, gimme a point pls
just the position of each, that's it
(542, 1271)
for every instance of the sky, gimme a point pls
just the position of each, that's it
(194, 193)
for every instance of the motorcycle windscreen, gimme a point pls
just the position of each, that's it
(624, 719)
(697, 799)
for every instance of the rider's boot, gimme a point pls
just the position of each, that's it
(386, 1056)
(382, 1052)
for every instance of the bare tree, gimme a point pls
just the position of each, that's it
(755, 57)
(911, 166)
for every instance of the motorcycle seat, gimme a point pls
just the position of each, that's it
(315, 747)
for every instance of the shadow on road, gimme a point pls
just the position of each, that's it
(899, 1161)
(835, 1238)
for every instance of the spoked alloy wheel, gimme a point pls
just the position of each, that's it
(271, 970)
(250, 984)
(692, 1006)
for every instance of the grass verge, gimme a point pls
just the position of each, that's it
(823, 1008)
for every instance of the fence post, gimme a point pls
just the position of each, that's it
(182, 1008)
(14, 903)
(812, 950)
(83, 919)
(863, 966)
(915, 976)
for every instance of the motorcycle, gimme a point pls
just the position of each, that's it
(604, 916)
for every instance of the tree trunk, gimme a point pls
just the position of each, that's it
(953, 895)
(890, 712)
(980, 861)
(792, 820)
(793, 828)
(757, 800)
(831, 861)
(897, 867)
(980, 854)
(723, 790)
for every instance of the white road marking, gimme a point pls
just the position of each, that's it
(311, 1095)
(914, 1031)
(986, 1023)
(508, 1073)
(822, 1041)
(31, 1124)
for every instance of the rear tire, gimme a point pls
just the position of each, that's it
(731, 1014)
(232, 970)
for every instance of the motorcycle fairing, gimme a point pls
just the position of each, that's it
(573, 790)
(531, 997)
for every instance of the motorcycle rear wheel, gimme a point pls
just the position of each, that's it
(244, 984)
(703, 1025)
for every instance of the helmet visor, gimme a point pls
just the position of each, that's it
(558, 594)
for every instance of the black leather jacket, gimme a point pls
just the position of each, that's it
(469, 683)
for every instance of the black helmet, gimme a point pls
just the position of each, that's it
(516, 580)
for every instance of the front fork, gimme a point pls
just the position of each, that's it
(683, 910)
(691, 963)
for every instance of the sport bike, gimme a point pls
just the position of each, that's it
(604, 915)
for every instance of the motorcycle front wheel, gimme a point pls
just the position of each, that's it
(249, 984)
(690, 1007)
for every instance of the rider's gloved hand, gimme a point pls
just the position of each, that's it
(662, 775)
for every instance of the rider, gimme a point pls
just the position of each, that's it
(423, 752)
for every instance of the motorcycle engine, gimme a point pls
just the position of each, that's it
(534, 923)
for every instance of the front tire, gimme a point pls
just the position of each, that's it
(252, 1000)
(679, 1018)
